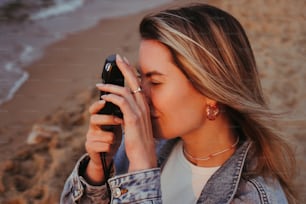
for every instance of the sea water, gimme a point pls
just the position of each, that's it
(27, 27)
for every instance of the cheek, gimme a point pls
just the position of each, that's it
(165, 100)
(165, 108)
(179, 111)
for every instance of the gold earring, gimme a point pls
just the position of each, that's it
(212, 111)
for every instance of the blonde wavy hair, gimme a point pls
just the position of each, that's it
(212, 49)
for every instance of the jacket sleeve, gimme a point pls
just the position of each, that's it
(77, 190)
(135, 187)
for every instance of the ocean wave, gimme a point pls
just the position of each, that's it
(23, 77)
(60, 7)
(16, 85)
(15, 76)
(28, 27)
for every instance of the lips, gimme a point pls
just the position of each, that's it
(154, 117)
(153, 114)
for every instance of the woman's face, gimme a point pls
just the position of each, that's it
(177, 109)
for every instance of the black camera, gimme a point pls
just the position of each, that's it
(111, 75)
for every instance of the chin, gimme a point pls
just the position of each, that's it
(159, 132)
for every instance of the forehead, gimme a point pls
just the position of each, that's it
(154, 56)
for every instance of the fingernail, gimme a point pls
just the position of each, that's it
(99, 84)
(118, 120)
(101, 102)
(119, 58)
(126, 60)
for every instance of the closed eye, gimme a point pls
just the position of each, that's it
(153, 78)
(154, 83)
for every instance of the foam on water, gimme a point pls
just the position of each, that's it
(60, 7)
(17, 84)
(23, 42)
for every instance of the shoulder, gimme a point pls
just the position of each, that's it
(259, 190)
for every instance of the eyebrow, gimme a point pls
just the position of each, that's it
(150, 73)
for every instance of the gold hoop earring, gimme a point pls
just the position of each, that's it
(212, 111)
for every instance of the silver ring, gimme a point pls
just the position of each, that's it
(137, 90)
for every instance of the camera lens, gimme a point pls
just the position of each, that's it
(108, 67)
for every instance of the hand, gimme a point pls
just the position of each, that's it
(99, 140)
(139, 141)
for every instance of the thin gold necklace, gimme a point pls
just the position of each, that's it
(210, 155)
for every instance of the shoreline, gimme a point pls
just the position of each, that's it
(78, 59)
(24, 41)
(44, 126)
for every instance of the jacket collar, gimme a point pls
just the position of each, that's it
(223, 184)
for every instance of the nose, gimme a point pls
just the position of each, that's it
(146, 91)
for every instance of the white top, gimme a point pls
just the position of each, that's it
(181, 181)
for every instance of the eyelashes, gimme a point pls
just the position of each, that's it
(148, 78)
(154, 83)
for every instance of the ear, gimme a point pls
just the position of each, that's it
(211, 102)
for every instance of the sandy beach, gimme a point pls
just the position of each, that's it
(43, 127)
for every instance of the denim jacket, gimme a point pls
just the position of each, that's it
(226, 185)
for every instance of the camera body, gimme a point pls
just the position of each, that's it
(111, 75)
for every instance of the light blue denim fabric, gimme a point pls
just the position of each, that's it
(227, 184)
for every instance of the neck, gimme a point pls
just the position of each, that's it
(214, 136)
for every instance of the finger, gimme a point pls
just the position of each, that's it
(97, 147)
(129, 110)
(110, 88)
(100, 119)
(132, 81)
(121, 91)
(114, 89)
(96, 107)
(100, 136)
(128, 73)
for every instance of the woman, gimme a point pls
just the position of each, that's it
(200, 93)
